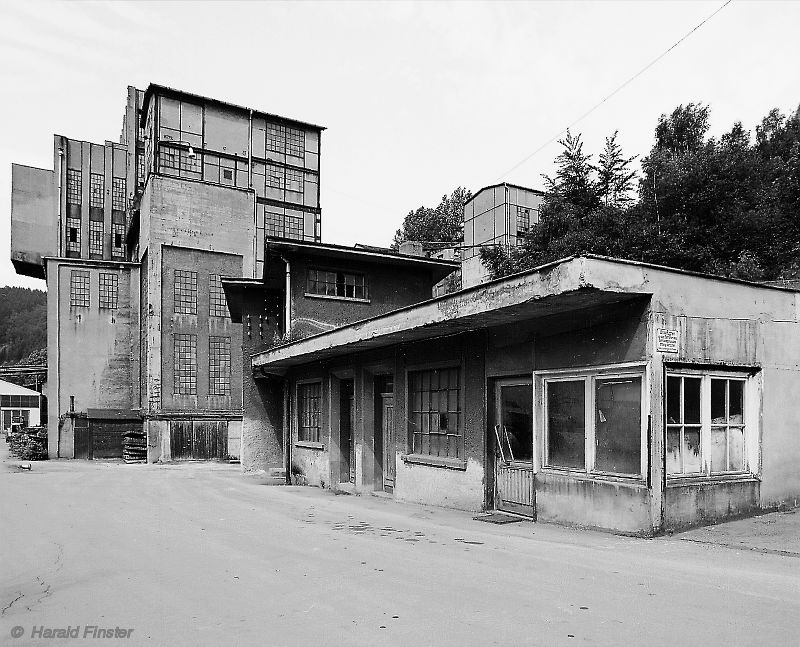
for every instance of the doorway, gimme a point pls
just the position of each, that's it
(384, 432)
(511, 447)
(347, 412)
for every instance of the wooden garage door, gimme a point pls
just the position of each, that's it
(105, 437)
(198, 439)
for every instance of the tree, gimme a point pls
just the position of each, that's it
(445, 223)
(573, 182)
(684, 130)
(615, 179)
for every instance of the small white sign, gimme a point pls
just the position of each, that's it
(666, 340)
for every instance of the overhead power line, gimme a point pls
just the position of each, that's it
(630, 80)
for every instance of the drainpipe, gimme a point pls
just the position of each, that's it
(60, 184)
(287, 314)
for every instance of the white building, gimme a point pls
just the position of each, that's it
(18, 404)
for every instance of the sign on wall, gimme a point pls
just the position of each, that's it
(666, 340)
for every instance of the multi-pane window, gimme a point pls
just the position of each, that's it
(96, 189)
(118, 198)
(435, 420)
(74, 186)
(336, 284)
(20, 401)
(73, 235)
(79, 288)
(523, 220)
(273, 223)
(217, 306)
(308, 412)
(294, 227)
(294, 180)
(185, 292)
(96, 237)
(109, 290)
(285, 139)
(181, 121)
(185, 364)
(223, 170)
(219, 365)
(594, 423)
(180, 161)
(705, 417)
(118, 240)
(276, 176)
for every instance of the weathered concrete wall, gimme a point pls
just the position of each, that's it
(262, 424)
(611, 505)
(443, 487)
(34, 226)
(699, 502)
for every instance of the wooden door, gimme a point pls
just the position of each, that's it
(387, 425)
(198, 439)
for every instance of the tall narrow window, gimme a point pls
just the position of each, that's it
(118, 198)
(79, 288)
(73, 235)
(308, 412)
(618, 425)
(185, 292)
(118, 241)
(727, 425)
(217, 306)
(109, 290)
(523, 220)
(96, 237)
(74, 185)
(435, 423)
(219, 365)
(96, 190)
(185, 364)
(683, 425)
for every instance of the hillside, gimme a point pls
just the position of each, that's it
(23, 323)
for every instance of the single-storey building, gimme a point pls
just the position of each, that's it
(590, 391)
(19, 405)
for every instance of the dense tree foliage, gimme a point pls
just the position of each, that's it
(445, 223)
(729, 206)
(23, 324)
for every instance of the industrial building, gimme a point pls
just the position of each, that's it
(18, 405)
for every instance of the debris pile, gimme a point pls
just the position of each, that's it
(134, 447)
(29, 443)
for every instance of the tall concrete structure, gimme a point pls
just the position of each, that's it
(134, 238)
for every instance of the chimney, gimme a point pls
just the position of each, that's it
(411, 248)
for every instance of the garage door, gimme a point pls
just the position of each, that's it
(198, 439)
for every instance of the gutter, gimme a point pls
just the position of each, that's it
(287, 314)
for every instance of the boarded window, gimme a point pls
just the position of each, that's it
(79, 288)
(618, 425)
(566, 423)
(435, 420)
(185, 364)
(308, 412)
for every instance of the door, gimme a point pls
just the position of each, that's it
(347, 473)
(387, 429)
(198, 439)
(105, 437)
(512, 439)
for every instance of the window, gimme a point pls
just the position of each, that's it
(181, 121)
(435, 412)
(294, 227)
(308, 412)
(219, 365)
(223, 170)
(273, 223)
(294, 180)
(275, 176)
(594, 423)
(217, 306)
(185, 364)
(79, 288)
(185, 292)
(96, 237)
(523, 220)
(96, 189)
(336, 284)
(118, 198)
(74, 185)
(74, 235)
(109, 289)
(285, 139)
(20, 401)
(118, 243)
(705, 418)
(173, 160)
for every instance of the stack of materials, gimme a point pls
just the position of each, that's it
(134, 447)
(29, 443)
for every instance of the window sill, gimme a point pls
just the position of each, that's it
(702, 479)
(307, 444)
(436, 461)
(633, 479)
(311, 295)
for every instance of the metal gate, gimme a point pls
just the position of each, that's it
(198, 439)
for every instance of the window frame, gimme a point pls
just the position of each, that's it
(749, 421)
(298, 417)
(336, 283)
(433, 459)
(589, 377)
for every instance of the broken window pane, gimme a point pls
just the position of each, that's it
(566, 424)
(618, 425)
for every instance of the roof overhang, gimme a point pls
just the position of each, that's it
(234, 294)
(570, 285)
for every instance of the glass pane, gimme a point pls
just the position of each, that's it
(673, 451)
(169, 115)
(516, 413)
(718, 401)
(736, 449)
(618, 420)
(673, 400)
(736, 402)
(719, 449)
(691, 400)
(691, 451)
(566, 425)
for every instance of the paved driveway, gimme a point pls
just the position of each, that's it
(201, 555)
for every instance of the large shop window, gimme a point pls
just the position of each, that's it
(435, 420)
(308, 412)
(706, 430)
(603, 437)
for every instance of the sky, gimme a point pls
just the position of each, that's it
(417, 98)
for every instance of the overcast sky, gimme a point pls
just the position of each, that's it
(417, 98)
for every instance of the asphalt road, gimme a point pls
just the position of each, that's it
(202, 555)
